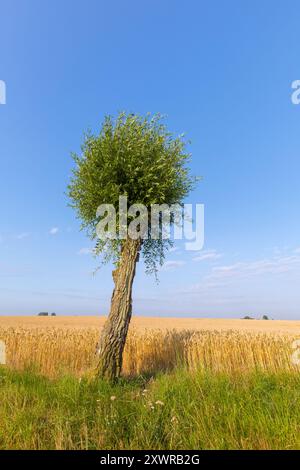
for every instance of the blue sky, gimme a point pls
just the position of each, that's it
(222, 73)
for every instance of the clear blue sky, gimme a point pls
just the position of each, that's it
(222, 73)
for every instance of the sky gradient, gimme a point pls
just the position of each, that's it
(222, 73)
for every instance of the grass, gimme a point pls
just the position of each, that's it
(176, 410)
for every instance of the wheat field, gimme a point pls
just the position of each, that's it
(189, 384)
(59, 345)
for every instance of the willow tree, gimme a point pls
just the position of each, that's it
(137, 158)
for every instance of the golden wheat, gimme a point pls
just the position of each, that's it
(54, 350)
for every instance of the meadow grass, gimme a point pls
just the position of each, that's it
(177, 410)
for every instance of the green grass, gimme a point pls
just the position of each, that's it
(177, 411)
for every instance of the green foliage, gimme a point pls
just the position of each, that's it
(132, 156)
(180, 410)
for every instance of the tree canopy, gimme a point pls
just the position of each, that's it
(133, 156)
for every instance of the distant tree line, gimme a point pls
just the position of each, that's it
(264, 317)
(46, 314)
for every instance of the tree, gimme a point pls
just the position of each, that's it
(137, 158)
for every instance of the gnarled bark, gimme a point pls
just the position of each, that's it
(114, 333)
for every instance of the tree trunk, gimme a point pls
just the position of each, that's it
(114, 333)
